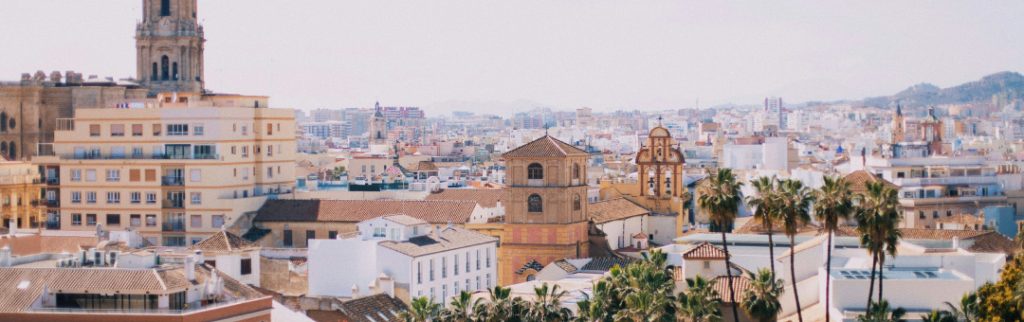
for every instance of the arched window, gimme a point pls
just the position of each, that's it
(13, 149)
(165, 73)
(156, 72)
(165, 8)
(534, 203)
(174, 71)
(535, 171)
(576, 203)
(11, 123)
(3, 121)
(531, 277)
(576, 171)
(3, 147)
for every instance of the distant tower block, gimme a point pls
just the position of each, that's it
(169, 45)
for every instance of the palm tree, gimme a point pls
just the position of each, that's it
(795, 200)
(548, 304)
(421, 310)
(938, 316)
(720, 198)
(644, 306)
(502, 306)
(967, 309)
(766, 211)
(700, 302)
(833, 204)
(880, 312)
(761, 300)
(891, 235)
(461, 307)
(877, 206)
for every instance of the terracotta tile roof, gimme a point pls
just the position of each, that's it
(425, 166)
(546, 146)
(405, 220)
(432, 211)
(993, 242)
(754, 226)
(704, 251)
(740, 284)
(859, 179)
(326, 316)
(373, 308)
(921, 233)
(222, 241)
(22, 245)
(614, 209)
(446, 239)
(487, 198)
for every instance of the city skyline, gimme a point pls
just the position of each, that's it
(600, 55)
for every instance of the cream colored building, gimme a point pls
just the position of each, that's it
(175, 168)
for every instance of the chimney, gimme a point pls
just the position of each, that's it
(386, 285)
(956, 242)
(5, 256)
(190, 268)
(200, 259)
(355, 291)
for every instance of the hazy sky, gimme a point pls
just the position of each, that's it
(564, 54)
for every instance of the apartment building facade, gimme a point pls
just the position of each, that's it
(177, 168)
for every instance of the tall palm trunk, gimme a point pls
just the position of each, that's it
(792, 276)
(871, 286)
(728, 273)
(881, 276)
(771, 248)
(828, 276)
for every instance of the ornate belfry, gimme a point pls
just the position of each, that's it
(660, 165)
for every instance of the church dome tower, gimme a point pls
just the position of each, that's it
(169, 46)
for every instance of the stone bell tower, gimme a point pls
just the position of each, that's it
(169, 45)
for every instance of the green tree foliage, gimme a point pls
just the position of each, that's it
(761, 300)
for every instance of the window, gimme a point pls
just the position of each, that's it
(576, 203)
(535, 171)
(707, 265)
(150, 220)
(196, 175)
(478, 260)
(177, 129)
(113, 175)
(287, 236)
(920, 215)
(444, 292)
(165, 8)
(310, 234)
(488, 253)
(576, 171)
(90, 196)
(94, 130)
(332, 234)
(455, 265)
(76, 174)
(949, 213)
(197, 129)
(270, 172)
(136, 129)
(134, 175)
(197, 198)
(431, 269)
(196, 221)
(156, 129)
(270, 129)
(217, 221)
(117, 152)
(113, 197)
(135, 220)
(419, 272)
(150, 197)
(477, 282)
(76, 219)
(379, 232)
(246, 266)
(117, 130)
(488, 280)
(467, 264)
(76, 197)
(90, 175)
(150, 175)
(90, 219)
(113, 220)
(270, 150)
(245, 151)
(935, 214)
(534, 203)
(137, 152)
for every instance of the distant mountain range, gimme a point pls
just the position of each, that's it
(1008, 85)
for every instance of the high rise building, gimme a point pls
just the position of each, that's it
(169, 44)
(176, 168)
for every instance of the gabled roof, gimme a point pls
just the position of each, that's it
(546, 146)
(614, 209)
(373, 308)
(740, 284)
(487, 198)
(222, 241)
(859, 180)
(704, 251)
(353, 211)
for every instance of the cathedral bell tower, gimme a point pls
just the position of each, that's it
(546, 215)
(169, 47)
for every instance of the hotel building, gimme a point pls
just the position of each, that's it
(176, 168)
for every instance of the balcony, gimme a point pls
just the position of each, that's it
(174, 226)
(53, 203)
(172, 181)
(53, 181)
(174, 204)
(904, 182)
(53, 224)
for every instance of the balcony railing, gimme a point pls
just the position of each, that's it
(52, 225)
(172, 181)
(53, 181)
(101, 156)
(174, 226)
(53, 203)
(173, 204)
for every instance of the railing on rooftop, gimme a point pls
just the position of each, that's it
(192, 307)
(65, 124)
